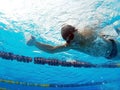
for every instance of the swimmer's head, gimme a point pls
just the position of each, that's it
(67, 32)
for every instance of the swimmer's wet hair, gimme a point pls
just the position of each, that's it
(66, 30)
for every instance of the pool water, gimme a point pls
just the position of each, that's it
(43, 19)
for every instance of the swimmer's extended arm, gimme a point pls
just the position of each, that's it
(51, 49)
(45, 47)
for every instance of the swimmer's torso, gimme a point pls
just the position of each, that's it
(93, 45)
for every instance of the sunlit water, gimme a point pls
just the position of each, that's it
(43, 19)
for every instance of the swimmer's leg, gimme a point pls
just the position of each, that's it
(116, 26)
(117, 30)
(107, 37)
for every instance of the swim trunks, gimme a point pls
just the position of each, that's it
(114, 50)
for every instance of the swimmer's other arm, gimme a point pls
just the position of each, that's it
(51, 49)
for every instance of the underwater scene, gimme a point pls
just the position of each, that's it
(25, 67)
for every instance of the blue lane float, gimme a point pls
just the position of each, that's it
(52, 85)
(11, 56)
(55, 62)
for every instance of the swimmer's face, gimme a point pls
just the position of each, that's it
(67, 33)
(69, 38)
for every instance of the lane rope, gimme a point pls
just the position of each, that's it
(12, 82)
(54, 62)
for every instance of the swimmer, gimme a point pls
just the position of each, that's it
(84, 40)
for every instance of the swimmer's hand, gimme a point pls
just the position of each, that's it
(31, 41)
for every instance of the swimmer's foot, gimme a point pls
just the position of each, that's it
(31, 41)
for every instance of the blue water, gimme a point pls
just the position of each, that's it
(43, 19)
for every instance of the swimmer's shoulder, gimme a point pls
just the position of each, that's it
(89, 34)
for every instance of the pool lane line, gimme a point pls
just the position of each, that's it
(3, 88)
(54, 62)
(55, 85)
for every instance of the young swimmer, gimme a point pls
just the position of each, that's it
(86, 41)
